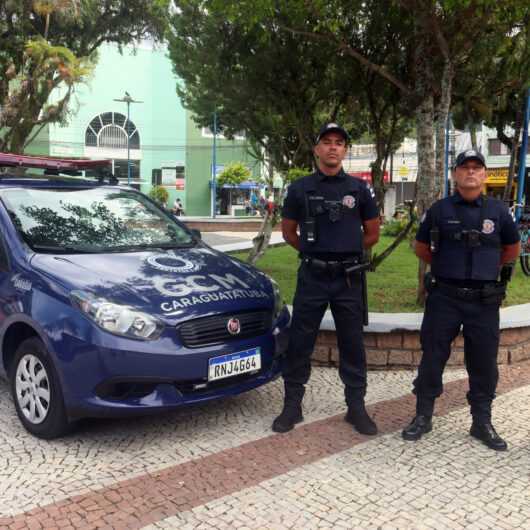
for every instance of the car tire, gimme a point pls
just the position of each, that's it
(37, 391)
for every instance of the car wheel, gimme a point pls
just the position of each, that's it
(37, 392)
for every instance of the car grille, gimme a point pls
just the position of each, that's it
(208, 331)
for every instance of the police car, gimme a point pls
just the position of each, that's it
(111, 306)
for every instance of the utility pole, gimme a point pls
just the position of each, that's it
(128, 99)
(522, 159)
(214, 165)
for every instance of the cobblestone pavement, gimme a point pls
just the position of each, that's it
(219, 466)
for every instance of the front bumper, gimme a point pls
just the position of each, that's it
(117, 382)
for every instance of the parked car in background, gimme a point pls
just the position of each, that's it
(109, 306)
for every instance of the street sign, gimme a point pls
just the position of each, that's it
(403, 171)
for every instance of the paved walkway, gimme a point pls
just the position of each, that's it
(219, 466)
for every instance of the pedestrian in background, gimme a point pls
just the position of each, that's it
(466, 238)
(178, 209)
(337, 218)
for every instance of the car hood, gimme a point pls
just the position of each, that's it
(173, 285)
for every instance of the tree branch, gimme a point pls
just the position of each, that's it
(345, 47)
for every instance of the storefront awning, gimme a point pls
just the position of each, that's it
(247, 185)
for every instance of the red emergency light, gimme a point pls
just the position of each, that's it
(46, 162)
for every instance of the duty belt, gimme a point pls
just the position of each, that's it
(490, 293)
(462, 293)
(336, 268)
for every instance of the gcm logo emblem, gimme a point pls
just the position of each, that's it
(233, 326)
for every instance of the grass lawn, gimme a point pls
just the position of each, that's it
(392, 289)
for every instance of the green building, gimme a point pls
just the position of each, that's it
(165, 146)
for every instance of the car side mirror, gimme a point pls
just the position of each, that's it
(196, 233)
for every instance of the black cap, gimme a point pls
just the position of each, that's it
(332, 127)
(470, 154)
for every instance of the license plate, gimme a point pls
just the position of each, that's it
(234, 364)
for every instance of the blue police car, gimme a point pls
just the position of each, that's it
(111, 306)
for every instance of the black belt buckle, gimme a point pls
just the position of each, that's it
(467, 293)
(335, 268)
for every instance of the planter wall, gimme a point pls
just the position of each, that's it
(228, 225)
(401, 349)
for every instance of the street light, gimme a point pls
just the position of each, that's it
(128, 99)
(214, 165)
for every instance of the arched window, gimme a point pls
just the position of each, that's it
(110, 130)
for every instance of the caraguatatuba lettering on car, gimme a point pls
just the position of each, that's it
(111, 306)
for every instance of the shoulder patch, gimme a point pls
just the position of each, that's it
(488, 226)
(348, 201)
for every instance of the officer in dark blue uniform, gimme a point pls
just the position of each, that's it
(466, 238)
(337, 218)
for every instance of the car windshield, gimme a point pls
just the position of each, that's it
(91, 220)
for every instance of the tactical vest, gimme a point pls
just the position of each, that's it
(466, 254)
(335, 221)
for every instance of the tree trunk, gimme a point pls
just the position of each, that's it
(378, 182)
(514, 151)
(425, 139)
(270, 220)
(426, 172)
(261, 241)
(442, 115)
(473, 134)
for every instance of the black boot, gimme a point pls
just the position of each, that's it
(487, 434)
(419, 426)
(359, 418)
(292, 409)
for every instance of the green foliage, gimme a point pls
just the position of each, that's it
(234, 174)
(394, 227)
(234, 61)
(159, 194)
(48, 45)
(391, 289)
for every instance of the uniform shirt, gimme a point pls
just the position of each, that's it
(332, 189)
(468, 212)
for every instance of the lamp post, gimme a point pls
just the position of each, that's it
(522, 159)
(128, 99)
(214, 165)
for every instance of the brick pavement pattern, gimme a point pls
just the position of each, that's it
(229, 472)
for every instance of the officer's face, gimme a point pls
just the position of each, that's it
(470, 176)
(331, 151)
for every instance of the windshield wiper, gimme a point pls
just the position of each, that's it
(64, 249)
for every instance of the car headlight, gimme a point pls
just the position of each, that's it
(117, 319)
(278, 300)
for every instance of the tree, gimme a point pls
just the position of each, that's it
(159, 194)
(50, 45)
(234, 174)
(438, 45)
(245, 76)
(235, 64)
(494, 91)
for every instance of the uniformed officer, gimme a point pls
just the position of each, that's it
(337, 218)
(466, 238)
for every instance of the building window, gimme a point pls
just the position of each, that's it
(496, 147)
(111, 130)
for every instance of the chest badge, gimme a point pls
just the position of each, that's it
(488, 226)
(348, 201)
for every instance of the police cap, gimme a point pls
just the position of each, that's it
(332, 127)
(470, 154)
